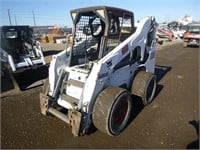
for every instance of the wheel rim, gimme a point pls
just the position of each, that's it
(119, 114)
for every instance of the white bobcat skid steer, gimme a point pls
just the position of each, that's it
(110, 59)
(19, 48)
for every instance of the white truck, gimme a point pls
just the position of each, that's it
(92, 82)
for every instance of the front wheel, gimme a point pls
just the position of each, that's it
(112, 110)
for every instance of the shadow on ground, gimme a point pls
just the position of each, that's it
(160, 72)
(51, 52)
(194, 144)
(31, 78)
(6, 81)
(24, 80)
(138, 105)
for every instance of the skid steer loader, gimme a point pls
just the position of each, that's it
(20, 49)
(92, 81)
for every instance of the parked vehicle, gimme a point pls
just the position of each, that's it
(19, 48)
(181, 30)
(164, 32)
(192, 35)
(110, 59)
(173, 25)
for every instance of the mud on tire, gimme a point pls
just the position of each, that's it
(144, 86)
(112, 110)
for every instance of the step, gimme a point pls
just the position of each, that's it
(73, 101)
(59, 115)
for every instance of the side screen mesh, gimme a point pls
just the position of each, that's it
(83, 39)
(120, 28)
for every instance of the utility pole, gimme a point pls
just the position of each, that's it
(34, 18)
(9, 17)
(15, 20)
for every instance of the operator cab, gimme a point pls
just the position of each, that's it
(17, 41)
(97, 31)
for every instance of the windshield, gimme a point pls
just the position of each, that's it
(88, 32)
(183, 27)
(120, 28)
(194, 28)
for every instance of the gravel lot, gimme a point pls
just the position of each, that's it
(170, 121)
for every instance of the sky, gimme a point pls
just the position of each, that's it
(57, 12)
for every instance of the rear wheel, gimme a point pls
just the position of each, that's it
(144, 86)
(112, 110)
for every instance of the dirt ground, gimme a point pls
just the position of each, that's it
(170, 121)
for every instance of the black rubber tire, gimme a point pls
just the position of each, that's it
(112, 110)
(144, 86)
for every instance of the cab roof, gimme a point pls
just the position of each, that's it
(114, 10)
